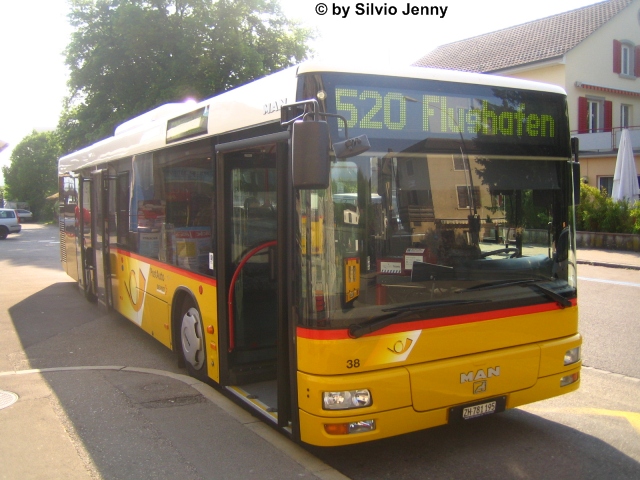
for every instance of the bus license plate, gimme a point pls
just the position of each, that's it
(478, 410)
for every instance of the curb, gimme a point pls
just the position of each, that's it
(609, 265)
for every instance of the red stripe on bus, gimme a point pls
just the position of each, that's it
(342, 334)
(178, 271)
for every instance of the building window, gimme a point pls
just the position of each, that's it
(593, 115)
(605, 184)
(463, 196)
(625, 116)
(458, 162)
(625, 66)
(626, 58)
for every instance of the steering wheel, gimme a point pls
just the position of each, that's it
(501, 250)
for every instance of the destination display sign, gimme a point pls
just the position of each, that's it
(385, 109)
(444, 114)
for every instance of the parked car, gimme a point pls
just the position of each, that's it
(25, 215)
(9, 222)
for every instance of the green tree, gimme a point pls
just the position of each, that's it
(129, 56)
(33, 172)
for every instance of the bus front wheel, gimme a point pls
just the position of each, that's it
(192, 342)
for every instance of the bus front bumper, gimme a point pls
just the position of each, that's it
(375, 424)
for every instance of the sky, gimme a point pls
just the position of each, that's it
(34, 34)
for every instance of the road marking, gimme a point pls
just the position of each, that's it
(613, 282)
(632, 417)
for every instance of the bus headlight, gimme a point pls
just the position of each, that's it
(346, 399)
(572, 356)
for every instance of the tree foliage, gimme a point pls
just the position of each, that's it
(129, 56)
(32, 174)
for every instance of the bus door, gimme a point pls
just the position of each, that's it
(86, 234)
(255, 366)
(95, 220)
(68, 222)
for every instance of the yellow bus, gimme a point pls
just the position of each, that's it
(352, 253)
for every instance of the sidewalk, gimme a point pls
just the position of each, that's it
(609, 258)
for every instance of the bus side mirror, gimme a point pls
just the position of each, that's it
(310, 152)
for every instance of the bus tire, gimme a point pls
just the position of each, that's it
(192, 342)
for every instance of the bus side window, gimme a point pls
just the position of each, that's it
(122, 207)
(184, 186)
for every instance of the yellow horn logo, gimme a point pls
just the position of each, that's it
(136, 294)
(399, 348)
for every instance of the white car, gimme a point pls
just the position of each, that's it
(9, 222)
(25, 215)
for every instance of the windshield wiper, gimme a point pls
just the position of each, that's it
(562, 301)
(532, 283)
(396, 314)
(498, 284)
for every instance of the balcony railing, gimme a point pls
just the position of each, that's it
(606, 141)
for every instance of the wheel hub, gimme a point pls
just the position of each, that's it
(192, 343)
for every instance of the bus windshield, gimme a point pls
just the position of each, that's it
(440, 221)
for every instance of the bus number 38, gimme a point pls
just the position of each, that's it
(355, 363)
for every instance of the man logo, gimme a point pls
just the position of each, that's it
(480, 375)
(480, 387)
(274, 106)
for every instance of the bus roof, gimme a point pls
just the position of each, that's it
(425, 73)
(253, 104)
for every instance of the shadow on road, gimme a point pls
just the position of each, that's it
(510, 445)
(58, 327)
(121, 423)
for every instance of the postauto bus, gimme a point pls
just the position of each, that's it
(354, 254)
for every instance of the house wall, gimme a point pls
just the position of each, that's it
(554, 74)
(593, 167)
(592, 62)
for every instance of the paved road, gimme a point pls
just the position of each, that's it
(610, 319)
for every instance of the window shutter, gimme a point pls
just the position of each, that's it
(636, 63)
(608, 115)
(617, 57)
(583, 119)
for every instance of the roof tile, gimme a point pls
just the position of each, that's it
(526, 43)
